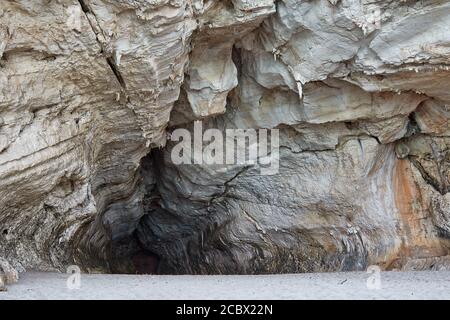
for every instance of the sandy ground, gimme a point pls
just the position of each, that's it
(394, 285)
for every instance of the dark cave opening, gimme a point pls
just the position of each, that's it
(145, 262)
(142, 256)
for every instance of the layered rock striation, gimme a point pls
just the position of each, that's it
(359, 91)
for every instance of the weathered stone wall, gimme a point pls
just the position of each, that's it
(360, 92)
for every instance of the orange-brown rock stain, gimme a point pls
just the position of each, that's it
(414, 218)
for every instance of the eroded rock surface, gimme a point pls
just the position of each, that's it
(359, 91)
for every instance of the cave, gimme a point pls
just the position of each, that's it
(94, 93)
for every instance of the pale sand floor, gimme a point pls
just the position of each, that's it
(394, 285)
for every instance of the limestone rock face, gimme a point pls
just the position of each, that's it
(86, 90)
(358, 90)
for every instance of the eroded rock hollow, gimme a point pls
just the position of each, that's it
(359, 91)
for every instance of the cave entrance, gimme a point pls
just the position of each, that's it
(145, 262)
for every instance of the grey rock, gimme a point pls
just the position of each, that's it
(90, 90)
